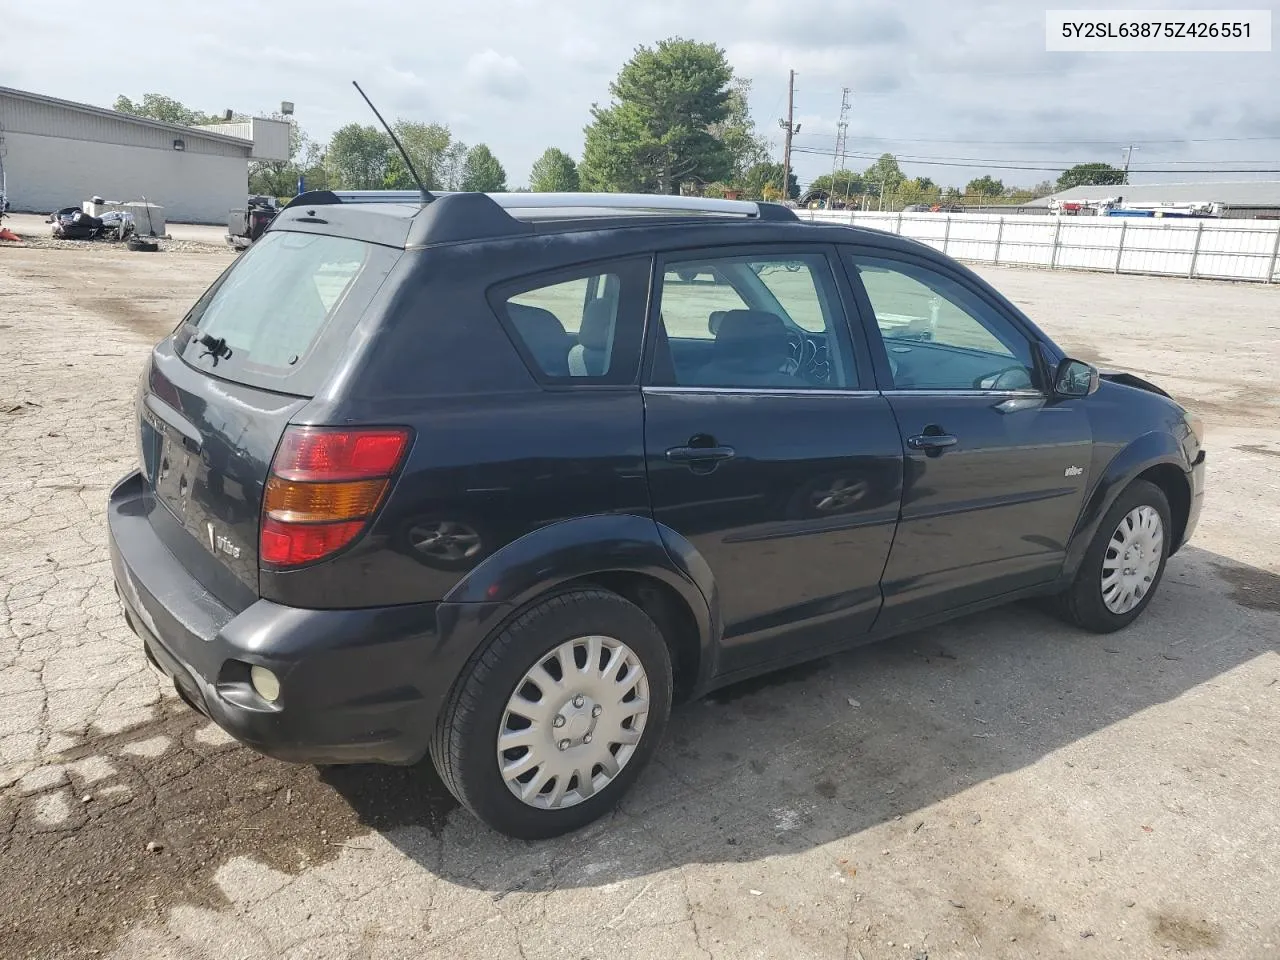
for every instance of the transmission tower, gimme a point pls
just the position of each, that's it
(842, 131)
(842, 142)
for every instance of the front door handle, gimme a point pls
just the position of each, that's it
(699, 454)
(931, 441)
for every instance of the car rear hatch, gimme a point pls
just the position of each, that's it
(219, 393)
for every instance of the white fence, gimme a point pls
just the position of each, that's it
(1212, 249)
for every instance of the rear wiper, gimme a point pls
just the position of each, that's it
(215, 347)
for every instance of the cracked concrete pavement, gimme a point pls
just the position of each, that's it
(1000, 786)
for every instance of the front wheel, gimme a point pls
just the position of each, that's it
(557, 714)
(1124, 563)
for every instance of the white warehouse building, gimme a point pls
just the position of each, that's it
(57, 153)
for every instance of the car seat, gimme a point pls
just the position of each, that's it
(750, 349)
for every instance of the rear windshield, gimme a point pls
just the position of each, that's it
(280, 315)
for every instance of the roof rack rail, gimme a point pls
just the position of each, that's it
(461, 215)
(538, 205)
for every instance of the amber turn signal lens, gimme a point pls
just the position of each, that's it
(292, 501)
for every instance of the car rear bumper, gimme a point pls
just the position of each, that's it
(362, 685)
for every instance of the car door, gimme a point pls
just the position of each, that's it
(767, 448)
(995, 467)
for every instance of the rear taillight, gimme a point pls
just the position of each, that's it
(325, 485)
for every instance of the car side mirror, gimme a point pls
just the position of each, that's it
(1075, 378)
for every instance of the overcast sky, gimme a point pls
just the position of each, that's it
(929, 79)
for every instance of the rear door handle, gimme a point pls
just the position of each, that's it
(931, 441)
(697, 454)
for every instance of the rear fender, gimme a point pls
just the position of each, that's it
(1149, 450)
(552, 556)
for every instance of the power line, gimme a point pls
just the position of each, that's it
(1055, 160)
(1120, 142)
(1019, 165)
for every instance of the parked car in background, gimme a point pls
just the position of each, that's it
(497, 478)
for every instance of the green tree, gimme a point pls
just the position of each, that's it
(920, 190)
(1043, 189)
(839, 185)
(359, 157)
(279, 178)
(482, 172)
(1090, 174)
(763, 175)
(554, 172)
(658, 132)
(738, 131)
(155, 106)
(452, 163)
(426, 144)
(884, 173)
(984, 186)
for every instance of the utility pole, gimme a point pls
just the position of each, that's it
(1128, 152)
(791, 128)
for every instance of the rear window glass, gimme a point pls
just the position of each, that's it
(263, 321)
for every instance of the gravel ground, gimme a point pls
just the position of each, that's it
(1002, 786)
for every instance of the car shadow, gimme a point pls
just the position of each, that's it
(826, 750)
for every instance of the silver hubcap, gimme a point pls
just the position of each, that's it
(1132, 559)
(447, 540)
(573, 722)
(841, 495)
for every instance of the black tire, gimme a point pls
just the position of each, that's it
(463, 746)
(138, 245)
(1083, 604)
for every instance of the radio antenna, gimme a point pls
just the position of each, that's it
(422, 187)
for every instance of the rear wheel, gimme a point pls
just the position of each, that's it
(555, 717)
(1124, 563)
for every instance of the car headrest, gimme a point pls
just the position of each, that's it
(535, 320)
(714, 321)
(597, 324)
(751, 340)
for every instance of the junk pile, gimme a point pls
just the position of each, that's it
(246, 224)
(72, 223)
(112, 220)
(5, 234)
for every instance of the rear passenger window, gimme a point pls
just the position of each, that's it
(585, 327)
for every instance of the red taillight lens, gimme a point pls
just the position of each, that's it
(325, 485)
(292, 544)
(324, 454)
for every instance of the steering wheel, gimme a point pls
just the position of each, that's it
(1008, 378)
(807, 359)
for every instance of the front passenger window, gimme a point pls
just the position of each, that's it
(939, 334)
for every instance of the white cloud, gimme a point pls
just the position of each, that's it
(521, 75)
(498, 75)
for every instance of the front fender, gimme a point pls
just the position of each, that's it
(569, 550)
(1147, 451)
